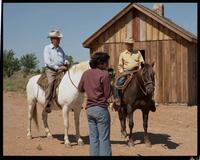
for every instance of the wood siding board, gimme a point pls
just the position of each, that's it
(163, 72)
(153, 59)
(166, 72)
(182, 75)
(155, 30)
(178, 69)
(160, 71)
(142, 27)
(195, 74)
(136, 26)
(112, 50)
(117, 34)
(106, 36)
(192, 75)
(123, 30)
(184, 67)
(149, 28)
(112, 34)
(160, 34)
(148, 52)
(129, 26)
(173, 71)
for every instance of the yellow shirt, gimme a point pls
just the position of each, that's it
(128, 60)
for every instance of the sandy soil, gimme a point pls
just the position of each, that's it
(172, 130)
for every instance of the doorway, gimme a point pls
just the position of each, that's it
(143, 53)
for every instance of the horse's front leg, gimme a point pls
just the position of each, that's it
(122, 118)
(131, 124)
(77, 126)
(66, 125)
(145, 125)
(46, 126)
(30, 116)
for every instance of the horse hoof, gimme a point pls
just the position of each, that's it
(153, 109)
(68, 145)
(80, 143)
(29, 137)
(49, 136)
(130, 144)
(123, 136)
(148, 144)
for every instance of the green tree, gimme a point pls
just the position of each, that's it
(43, 70)
(38, 71)
(70, 59)
(28, 63)
(10, 63)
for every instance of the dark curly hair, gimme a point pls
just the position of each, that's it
(99, 58)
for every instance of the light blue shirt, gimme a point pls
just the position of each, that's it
(54, 57)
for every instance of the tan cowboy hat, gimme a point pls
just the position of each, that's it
(129, 40)
(55, 33)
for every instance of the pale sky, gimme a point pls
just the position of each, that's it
(26, 25)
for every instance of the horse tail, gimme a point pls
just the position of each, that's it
(35, 118)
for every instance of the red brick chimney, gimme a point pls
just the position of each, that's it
(159, 8)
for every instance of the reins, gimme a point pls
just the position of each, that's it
(71, 80)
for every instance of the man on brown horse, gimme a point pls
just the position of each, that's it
(55, 61)
(129, 60)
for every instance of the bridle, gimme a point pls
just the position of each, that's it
(144, 91)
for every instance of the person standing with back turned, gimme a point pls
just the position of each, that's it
(96, 83)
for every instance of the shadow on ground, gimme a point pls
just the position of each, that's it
(155, 138)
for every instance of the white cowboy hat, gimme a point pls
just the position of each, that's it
(129, 40)
(55, 33)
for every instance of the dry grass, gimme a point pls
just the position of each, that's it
(16, 82)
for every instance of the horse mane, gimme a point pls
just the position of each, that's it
(82, 66)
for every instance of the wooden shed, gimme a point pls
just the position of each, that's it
(172, 48)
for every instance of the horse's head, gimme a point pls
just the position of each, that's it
(148, 74)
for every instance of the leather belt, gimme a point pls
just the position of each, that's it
(52, 69)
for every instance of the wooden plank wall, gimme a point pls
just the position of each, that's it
(171, 67)
(113, 49)
(117, 32)
(175, 58)
(192, 73)
(149, 29)
(136, 26)
(129, 30)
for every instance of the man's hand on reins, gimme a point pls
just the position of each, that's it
(63, 68)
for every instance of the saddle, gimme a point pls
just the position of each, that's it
(129, 76)
(43, 83)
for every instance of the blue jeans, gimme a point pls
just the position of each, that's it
(120, 82)
(99, 131)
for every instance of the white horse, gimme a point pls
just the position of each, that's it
(68, 97)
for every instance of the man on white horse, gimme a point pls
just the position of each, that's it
(55, 60)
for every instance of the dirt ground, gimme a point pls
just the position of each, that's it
(172, 131)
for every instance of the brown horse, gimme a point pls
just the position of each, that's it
(138, 95)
